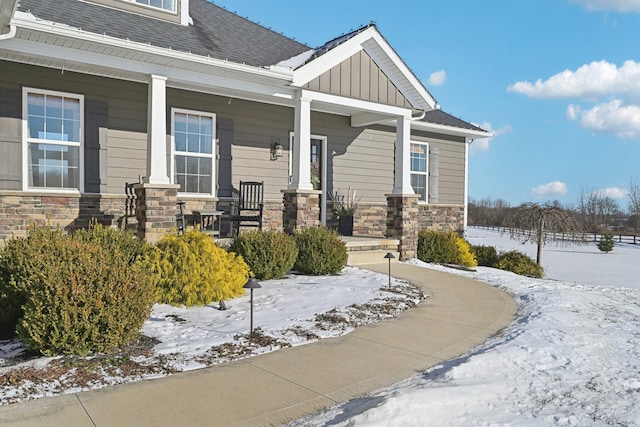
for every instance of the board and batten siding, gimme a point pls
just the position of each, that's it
(359, 77)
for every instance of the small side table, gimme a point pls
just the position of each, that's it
(208, 220)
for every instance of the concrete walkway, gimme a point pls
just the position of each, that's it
(278, 387)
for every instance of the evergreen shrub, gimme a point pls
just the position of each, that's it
(76, 297)
(191, 270)
(519, 263)
(485, 255)
(116, 242)
(444, 247)
(320, 251)
(269, 254)
(606, 242)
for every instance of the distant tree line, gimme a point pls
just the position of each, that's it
(594, 210)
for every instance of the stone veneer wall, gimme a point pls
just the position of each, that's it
(301, 209)
(402, 223)
(441, 217)
(69, 211)
(156, 209)
(368, 220)
(272, 215)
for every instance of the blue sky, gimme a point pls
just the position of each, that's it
(558, 81)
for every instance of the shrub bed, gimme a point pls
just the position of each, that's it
(320, 251)
(269, 254)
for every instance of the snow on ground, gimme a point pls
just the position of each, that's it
(572, 357)
(284, 310)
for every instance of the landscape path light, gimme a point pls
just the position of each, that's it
(389, 256)
(252, 284)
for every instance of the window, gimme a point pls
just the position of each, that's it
(419, 169)
(192, 149)
(52, 139)
(169, 5)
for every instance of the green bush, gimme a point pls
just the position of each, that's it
(76, 296)
(320, 251)
(443, 247)
(117, 242)
(269, 254)
(606, 242)
(519, 263)
(485, 255)
(191, 270)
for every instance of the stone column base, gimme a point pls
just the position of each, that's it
(301, 209)
(156, 210)
(402, 223)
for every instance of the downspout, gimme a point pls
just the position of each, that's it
(11, 34)
(466, 183)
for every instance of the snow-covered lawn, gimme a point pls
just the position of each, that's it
(291, 311)
(572, 357)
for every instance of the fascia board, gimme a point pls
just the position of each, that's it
(355, 104)
(335, 56)
(27, 22)
(142, 70)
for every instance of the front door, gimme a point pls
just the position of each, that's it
(318, 170)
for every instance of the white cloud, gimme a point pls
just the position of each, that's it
(551, 189)
(616, 5)
(597, 79)
(483, 144)
(438, 78)
(573, 111)
(612, 117)
(614, 192)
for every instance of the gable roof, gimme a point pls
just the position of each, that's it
(216, 32)
(439, 117)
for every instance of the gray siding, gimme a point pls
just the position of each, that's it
(357, 157)
(451, 166)
(10, 141)
(359, 77)
(115, 125)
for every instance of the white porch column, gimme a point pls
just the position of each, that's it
(157, 131)
(402, 179)
(301, 162)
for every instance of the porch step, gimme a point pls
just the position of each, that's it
(369, 250)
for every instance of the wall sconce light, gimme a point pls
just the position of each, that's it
(276, 149)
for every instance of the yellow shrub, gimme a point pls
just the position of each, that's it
(191, 270)
(465, 256)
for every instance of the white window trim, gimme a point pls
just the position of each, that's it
(213, 155)
(174, 11)
(26, 140)
(426, 173)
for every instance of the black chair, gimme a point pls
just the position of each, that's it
(248, 206)
(130, 203)
(180, 220)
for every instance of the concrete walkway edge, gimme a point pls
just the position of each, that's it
(278, 387)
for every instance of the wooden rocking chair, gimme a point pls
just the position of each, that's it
(248, 206)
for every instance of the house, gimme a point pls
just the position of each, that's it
(188, 99)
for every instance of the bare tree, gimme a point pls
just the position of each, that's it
(634, 203)
(535, 223)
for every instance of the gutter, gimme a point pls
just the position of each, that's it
(11, 34)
